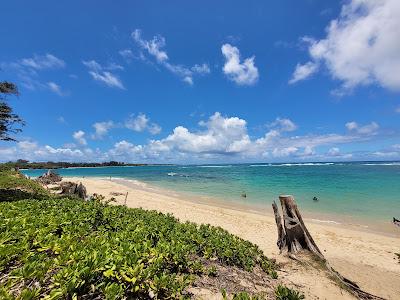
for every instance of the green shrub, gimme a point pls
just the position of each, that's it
(66, 248)
(284, 293)
(15, 186)
(212, 271)
(241, 296)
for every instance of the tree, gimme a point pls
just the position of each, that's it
(8, 120)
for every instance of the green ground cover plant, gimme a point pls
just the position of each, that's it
(284, 293)
(65, 248)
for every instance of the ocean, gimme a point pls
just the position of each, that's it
(359, 192)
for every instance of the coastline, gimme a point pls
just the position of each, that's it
(365, 257)
(328, 219)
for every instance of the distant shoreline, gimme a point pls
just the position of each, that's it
(65, 165)
(55, 167)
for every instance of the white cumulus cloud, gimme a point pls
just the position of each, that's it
(79, 136)
(362, 46)
(102, 128)
(141, 123)
(221, 135)
(242, 73)
(283, 124)
(217, 138)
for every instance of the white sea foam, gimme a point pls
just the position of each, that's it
(382, 164)
(304, 164)
(269, 165)
(171, 174)
(224, 166)
(325, 221)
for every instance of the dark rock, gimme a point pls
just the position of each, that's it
(49, 177)
(73, 189)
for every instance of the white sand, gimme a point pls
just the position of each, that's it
(366, 258)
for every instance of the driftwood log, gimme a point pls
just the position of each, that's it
(293, 237)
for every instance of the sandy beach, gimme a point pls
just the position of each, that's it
(367, 258)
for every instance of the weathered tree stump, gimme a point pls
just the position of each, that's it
(293, 237)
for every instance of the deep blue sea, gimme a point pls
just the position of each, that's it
(363, 190)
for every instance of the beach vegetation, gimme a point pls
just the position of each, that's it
(284, 293)
(65, 248)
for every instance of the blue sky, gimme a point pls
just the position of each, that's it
(209, 81)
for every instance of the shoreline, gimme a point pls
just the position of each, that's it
(364, 257)
(328, 219)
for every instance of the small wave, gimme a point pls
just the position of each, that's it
(269, 165)
(325, 221)
(173, 174)
(224, 166)
(304, 164)
(382, 164)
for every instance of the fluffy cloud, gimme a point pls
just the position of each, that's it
(334, 151)
(201, 69)
(284, 152)
(368, 129)
(79, 136)
(103, 74)
(242, 73)
(283, 124)
(219, 138)
(303, 71)
(101, 129)
(124, 150)
(362, 45)
(155, 48)
(141, 123)
(27, 146)
(33, 152)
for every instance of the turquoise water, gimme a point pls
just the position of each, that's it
(362, 190)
